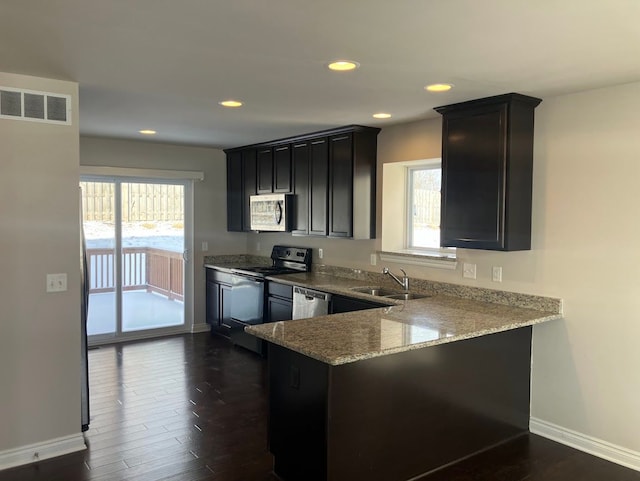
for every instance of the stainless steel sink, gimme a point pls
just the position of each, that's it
(388, 293)
(374, 291)
(405, 296)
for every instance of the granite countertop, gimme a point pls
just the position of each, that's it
(450, 313)
(406, 325)
(225, 263)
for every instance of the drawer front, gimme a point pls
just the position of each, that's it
(280, 290)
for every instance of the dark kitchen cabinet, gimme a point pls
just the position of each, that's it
(282, 169)
(300, 204)
(218, 301)
(249, 185)
(349, 304)
(340, 186)
(487, 166)
(235, 198)
(352, 184)
(213, 303)
(279, 302)
(274, 170)
(318, 186)
(332, 175)
(241, 185)
(265, 171)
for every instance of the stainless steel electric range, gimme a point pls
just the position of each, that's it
(248, 293)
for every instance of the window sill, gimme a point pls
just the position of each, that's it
(419, 258)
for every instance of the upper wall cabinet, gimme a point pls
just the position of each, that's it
(282, 169)
(274, 169)
(265, 171)
(331, 174)
(487, 166)
(241, 185)
(234, 192)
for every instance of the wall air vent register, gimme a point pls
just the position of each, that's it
(20, 104)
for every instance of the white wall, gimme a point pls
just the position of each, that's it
(39, 234)
(210, 198)
(585, 250)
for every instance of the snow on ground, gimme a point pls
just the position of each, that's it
(160, 234)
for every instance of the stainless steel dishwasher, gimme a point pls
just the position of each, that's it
(309, 303)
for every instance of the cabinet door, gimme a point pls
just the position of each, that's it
(213, 303)
(225, 306)
(234, 192)
(282, 169)
(473, 175)
(318, 185)
(300, 215)
(265, 171)
(341, 186)
(249, 185)
(279, 309)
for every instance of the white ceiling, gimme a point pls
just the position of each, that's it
(165, 64)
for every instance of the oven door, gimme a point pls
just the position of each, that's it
(247, 307)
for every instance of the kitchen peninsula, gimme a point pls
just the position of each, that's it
(392, 393)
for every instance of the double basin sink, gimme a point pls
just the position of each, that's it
(388, 293)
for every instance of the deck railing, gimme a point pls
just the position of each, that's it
(156, 270)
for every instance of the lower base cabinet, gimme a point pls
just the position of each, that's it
(279, 302)
(218, 303)
(399, 416)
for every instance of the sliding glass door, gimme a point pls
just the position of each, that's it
(136, 251)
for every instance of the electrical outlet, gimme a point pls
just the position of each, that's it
(56, 282)
(374, 259)
(320, 253)
(258, 246)
(469, 270)
(496, 274)
(205, 246)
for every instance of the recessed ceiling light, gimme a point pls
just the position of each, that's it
(382, 115)
(439, 87)
(231, 103)
(147, 132)
(343, 65)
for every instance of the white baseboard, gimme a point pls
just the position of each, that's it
(41, 451)
(588, 444)
(200, 327)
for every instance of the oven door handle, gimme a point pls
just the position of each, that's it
(247, 277)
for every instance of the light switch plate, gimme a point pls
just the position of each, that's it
(469, 270)
(205, 246)
(56, 282)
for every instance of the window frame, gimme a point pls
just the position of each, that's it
(409, 192)
(393, 236)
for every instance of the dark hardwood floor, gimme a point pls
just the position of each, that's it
(192, 408)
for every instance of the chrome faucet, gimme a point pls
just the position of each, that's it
(405, 279)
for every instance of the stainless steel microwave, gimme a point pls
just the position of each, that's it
(271, 212)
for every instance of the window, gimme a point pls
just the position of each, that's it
(423, 206)
(411, 214)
